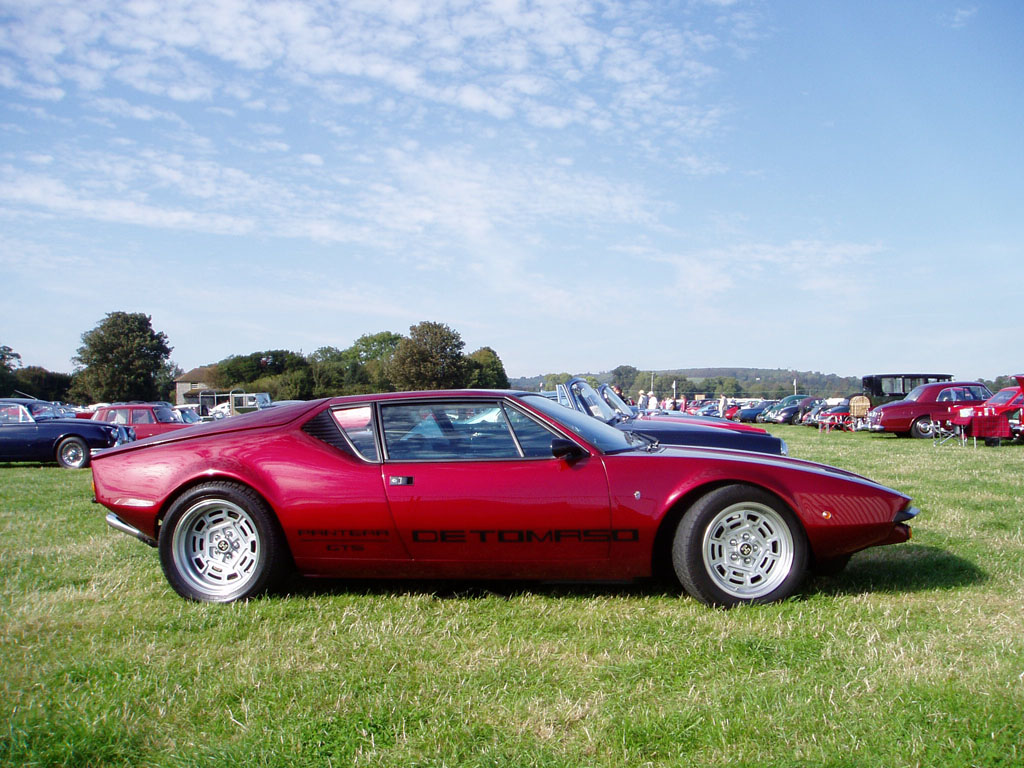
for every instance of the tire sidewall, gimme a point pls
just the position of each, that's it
(688, 547)
(270, 556)
(81, 445)
(919, 431)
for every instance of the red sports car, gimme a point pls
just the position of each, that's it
(490, 484)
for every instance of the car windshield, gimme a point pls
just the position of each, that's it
(42, 411)
(166, 415)
(593, 403)
(607, 438)
(612, 398)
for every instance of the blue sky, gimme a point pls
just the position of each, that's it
(817, 185)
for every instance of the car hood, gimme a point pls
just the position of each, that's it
(783, 462)
(708, 421)
(704, 436)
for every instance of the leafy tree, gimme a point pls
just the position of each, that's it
(9, 361)
(429, 358)
(243, 370)
(120, 359)
(552, 380)
(624, 376)
(169, 371)
(39, 382)
(375, 346)
(486, 370)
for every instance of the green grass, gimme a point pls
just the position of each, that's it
(914, 656)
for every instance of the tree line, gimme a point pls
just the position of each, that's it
(766, 383)
(125, 358)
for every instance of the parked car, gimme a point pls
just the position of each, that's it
(1008, 402)
(787, 410)
(835, 417)
(669, 427)
(914, 414)
(751, 412)
(480, 484)
(33, 430)
(146, 419)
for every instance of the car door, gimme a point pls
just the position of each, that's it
(475, 482)
(21, 438)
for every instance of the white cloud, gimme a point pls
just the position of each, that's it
(959, 18)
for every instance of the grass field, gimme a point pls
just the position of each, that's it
(913, 656)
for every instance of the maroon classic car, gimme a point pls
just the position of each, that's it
(913, 415)
(147, 419)
(490, 484)
(1004, 409)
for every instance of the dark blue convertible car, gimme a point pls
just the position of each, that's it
(33, 430)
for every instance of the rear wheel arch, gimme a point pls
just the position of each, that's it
(206, 480)
(221, 540)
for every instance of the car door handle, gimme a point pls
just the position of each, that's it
(399, 480)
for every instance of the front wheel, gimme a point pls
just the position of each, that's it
(739, 545)
(220, 543)
(73, 453)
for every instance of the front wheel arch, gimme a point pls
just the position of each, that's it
(661, 551)
(72, 452)
(740, 544)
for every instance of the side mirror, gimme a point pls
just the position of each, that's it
(561, 448)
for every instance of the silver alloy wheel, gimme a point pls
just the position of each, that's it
(216, 547)
(72, 453)
(748, 550)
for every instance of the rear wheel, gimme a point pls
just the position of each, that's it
(739, 545)
(73, 453)
(921, 428)
(220, 543)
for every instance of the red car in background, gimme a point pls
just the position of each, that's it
(1007, 403)
(146, 418)
(913, 415)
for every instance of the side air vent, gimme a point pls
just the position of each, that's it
(323, 427)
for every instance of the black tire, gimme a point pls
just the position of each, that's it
(220, 543)
(921, 428)
(739, 544)
(73, 453)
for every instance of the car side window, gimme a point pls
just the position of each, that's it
(142, 416)
(975, 393)
(534, 439)
(448, 431)
(117, 416)
(357, 425)
(14, 414)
